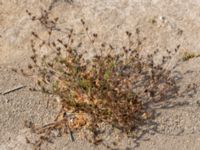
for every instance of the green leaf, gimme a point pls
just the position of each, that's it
(106, 75)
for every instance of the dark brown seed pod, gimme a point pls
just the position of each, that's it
(54, 44)
(95, 35)
(28, 13)
(60, 41)
(30, 66)
(34, 34)
(33, 18)
(82, 21)
(65, 45)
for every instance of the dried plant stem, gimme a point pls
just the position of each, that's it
(13, 89)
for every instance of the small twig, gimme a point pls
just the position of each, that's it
(13, 89)
(70, 132)
(67, 126)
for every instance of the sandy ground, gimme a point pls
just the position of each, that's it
(165, 24)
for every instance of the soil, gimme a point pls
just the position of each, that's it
(163, 25)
